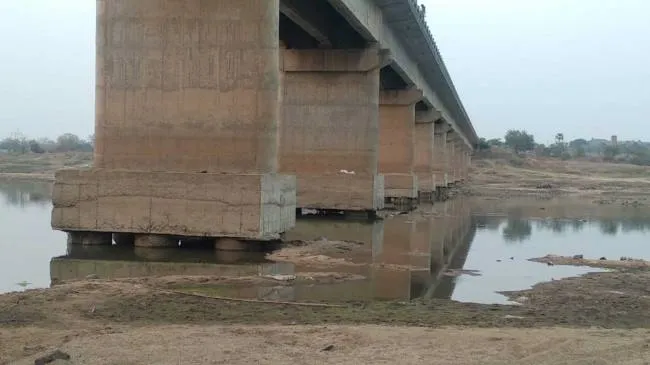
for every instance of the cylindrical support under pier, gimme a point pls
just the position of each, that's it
(90, 238)
(155, 241)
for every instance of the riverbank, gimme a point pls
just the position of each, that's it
(601, 182)
(40, 167)
(499, 176)
(82, 317)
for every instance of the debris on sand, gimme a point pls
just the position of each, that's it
(602, 262)
(320, 251)
(459, 272)
(328, 348)
(279, 277)
(52, 357)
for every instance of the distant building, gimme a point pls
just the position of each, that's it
(614, 140)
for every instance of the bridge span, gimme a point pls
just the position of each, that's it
(219, 118)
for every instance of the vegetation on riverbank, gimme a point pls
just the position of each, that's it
(594, 150)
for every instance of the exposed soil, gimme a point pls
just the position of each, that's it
(33, 166)
(546, 177)
(603, 262)
(365, 344)
(72, 314)
(323, 251)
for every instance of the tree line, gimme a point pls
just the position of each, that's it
(18, 143)
(522, 142)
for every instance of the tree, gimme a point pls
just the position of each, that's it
(519, 141)
(67, 142)
(47, 144)
(542, 150)
(577, 143)
(610, 152)
(558, 149)
(35, 147)
(517, 230)
(15, 143)
(483, 145)
(495, 142)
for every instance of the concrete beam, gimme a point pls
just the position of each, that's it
(367, 18)
(332, 60)
(400, 97)
(427, 116)
(308, 20)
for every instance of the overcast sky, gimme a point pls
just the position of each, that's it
(581, 67)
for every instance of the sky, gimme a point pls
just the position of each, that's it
(578, 67)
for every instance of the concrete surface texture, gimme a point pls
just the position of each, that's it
(440, 152)
(397, 25)
(397, 142)
(330, 127)
(213, 205)
(452, 157)
(424, 157)
(179, 149)
(176, 82)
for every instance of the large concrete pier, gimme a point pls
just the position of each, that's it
(219, 118)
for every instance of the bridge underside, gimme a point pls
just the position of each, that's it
(218, 119)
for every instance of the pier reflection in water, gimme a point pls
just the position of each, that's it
(399, 258)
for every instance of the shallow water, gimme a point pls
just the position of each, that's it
(27, 243)
(400, 258)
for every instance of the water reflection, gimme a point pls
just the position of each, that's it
(24, 193)
(27, 242)
(517, 230)
(520, 229)
(400, 258)
(505, 266)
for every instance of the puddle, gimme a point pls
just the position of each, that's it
(455, 250)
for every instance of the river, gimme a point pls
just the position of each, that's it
(400, 258)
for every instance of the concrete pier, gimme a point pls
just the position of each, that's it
(330, 127)
(426, 153)
(179, 149)
(397, 142)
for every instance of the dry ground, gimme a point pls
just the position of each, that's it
(355, 345)
(137, 321)
(40, 166)
(543, 177)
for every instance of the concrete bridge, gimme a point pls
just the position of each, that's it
(219, 118)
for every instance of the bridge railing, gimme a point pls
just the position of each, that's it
(421, 9)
